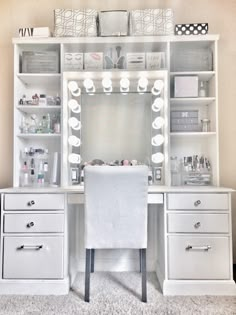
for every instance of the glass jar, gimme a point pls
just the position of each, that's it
(205, 125)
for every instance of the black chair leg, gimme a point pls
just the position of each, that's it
(144, 275)
(140, 260)
(92, 259)
(87, 274)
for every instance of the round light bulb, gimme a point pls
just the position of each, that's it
(74, 106)
(124, 83)
(157, 87)
(74, 141)
(157, 140)
(157, 157)
(88, 84)
(107, 83)
(157, 104)
(142, 84)
(158, 123)
(74, 89)
(74, 158)
(74, 123)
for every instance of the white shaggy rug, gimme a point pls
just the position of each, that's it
(116, 293)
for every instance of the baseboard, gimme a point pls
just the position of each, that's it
(199, 287)
(35, 287)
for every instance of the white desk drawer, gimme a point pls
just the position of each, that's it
(198, 223)
(189, 257)
(34, 223)
(155, 198)
(34, 201)
(198, 201)
(33, 258)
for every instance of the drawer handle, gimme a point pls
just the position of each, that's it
(197, 225)
(197, 203)
(206, 247)
(30, 224)
(31, 203)
(25, 247)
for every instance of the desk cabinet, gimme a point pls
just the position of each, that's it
(33, 236)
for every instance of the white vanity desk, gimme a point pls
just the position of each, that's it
(190, 240)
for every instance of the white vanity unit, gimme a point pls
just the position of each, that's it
(189, 231)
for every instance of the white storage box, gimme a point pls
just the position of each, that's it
(186, 86)
(135, 61)
(73, 61)
(75, 23)
(40, 62)
(34, 32)
(155, 60)
(113, 23)
(93, 61)
(151, 22)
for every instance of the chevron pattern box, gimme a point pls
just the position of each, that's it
(151, 22)
(75, 23)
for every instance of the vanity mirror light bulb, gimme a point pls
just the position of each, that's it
(74, 106)
(157, 87)
(157, 104)
(74, 158)
(89, 86)
(74, 123)
(142, 85)
(107, 85)
(158, 123)
(157, 157)
(74, 89)
(157, 140)
(124, 85)
(74, 141)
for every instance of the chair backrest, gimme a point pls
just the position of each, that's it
(116, 206)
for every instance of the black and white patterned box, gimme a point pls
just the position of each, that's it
(191, 29)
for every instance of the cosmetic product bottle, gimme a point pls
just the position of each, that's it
(24, 175)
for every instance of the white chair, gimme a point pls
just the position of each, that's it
(115, 213)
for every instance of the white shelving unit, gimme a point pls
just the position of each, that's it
(192, 143)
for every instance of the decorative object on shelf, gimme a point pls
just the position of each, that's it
(113, 59)
(155, 60)
(93, 61)
(40, 62)
(191, 29)
(196, 170)
(203, 89)
(73, 61)
(151, 22)
(205, 124)
(135, 61)
(38, 32)
(75, 23)
(184, 120)
(113, 23)
(186, 86)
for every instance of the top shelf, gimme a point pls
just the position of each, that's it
(118, 39)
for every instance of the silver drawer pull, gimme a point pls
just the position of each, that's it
(30, 224)
(36, 247)
(206, 247)
(31, 203)
(197, 225)
(197, 203)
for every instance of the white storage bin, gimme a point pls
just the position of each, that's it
(40, 62)
(151, 22)
(113, 23)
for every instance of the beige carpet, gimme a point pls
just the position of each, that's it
(116, 293)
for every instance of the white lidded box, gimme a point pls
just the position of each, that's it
(93, 61)
(186, 86)
(113, 23)
(40, 62)
(73, 61)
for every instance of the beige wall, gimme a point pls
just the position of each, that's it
(221, 18)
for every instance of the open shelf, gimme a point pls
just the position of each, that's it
(192, 134)
(191, 101)
(203, 75)
(31, 109)
(39, 79)
(38, 135)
